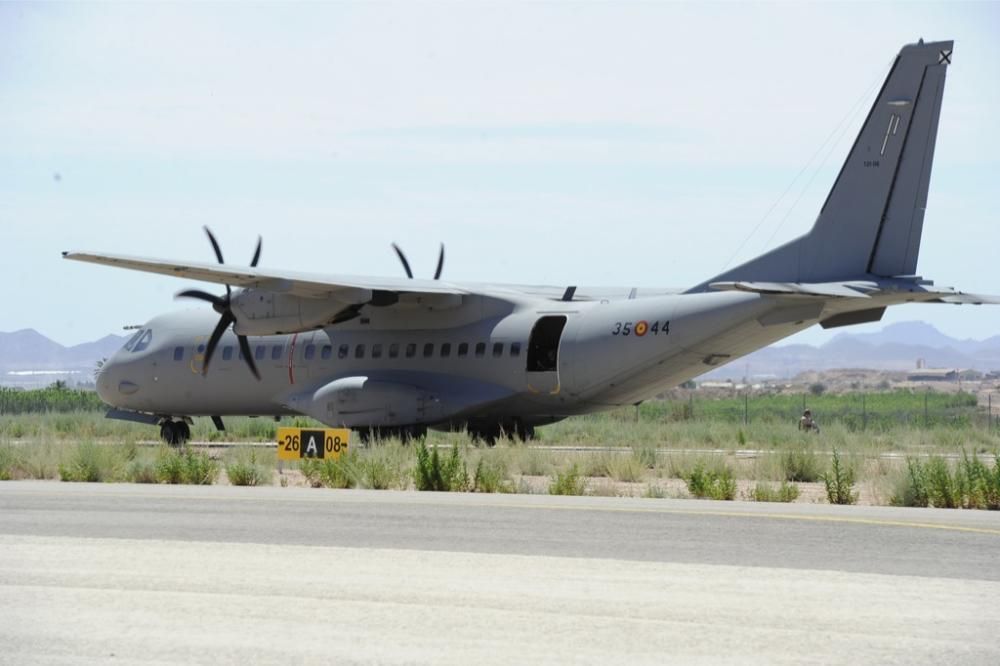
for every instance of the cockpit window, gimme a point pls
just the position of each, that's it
(143, 341)
(131, 341)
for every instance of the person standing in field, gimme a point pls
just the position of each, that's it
(807, 423)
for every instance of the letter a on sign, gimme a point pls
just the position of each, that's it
(312, 443)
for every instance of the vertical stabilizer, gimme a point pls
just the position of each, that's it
(872, 219)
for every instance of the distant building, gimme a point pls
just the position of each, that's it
(934, 375)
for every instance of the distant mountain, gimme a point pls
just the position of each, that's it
(896, 347)
(28, 358)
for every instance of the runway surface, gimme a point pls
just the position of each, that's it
(94, 573)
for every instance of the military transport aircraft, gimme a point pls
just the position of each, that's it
(398, 356)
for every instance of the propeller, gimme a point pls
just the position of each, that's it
(223, 305)
(406, 264)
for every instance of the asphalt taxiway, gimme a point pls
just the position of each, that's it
(229, 575)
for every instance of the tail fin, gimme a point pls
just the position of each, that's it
(873, 217)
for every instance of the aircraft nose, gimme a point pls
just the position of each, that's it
(113, 386)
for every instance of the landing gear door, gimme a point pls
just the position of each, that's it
(542, 368)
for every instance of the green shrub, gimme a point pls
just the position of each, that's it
(246, 471)
(942, 488)
(800, 465)
(786, 492)
(9, 462)
(624, 467)
(491, 477)
(332, 472)
(911, 488)
(568, 483)
(185, 466)
(713, 484)
(440, 474)
(141, 471)
(377, 473)
(980, 483)
(839, 481)
(94, 463)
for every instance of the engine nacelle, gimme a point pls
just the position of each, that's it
(262, 312)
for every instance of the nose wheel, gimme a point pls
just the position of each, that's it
(175, 433)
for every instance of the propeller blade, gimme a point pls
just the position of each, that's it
(437, 273)
(218, 255)
(256, 253)
(216, 301)
(224, 321)
(402, 258)
(247, 356)
(215, 245)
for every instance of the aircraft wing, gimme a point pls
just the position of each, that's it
(307, 285)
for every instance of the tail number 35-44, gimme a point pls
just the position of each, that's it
(641, 328)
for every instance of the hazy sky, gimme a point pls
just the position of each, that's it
(619, 143)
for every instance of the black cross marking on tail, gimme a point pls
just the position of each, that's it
(944, 57)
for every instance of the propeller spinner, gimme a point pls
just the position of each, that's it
(223, 305)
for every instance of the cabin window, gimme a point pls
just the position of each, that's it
(259, 352)
(227, 353)
(343, 350)
(497, 349)
(515, 349)
(276, 351)
(359, 351)
(411, 350)
(428, 350)
(201, 349)
(326, 353)
(394, 350)
(376, 351)
(463, 349)
(178, 353)
(446, 350)
(480, 349)
(310, 352)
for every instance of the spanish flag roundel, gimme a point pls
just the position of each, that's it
(641, 328)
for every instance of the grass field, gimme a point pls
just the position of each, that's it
(661, 449)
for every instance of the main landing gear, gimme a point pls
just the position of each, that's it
(175, 433)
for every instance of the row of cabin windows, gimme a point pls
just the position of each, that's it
(344, 350)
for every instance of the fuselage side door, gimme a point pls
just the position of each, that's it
(542, 361)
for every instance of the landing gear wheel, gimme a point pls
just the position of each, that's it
(184, 430)
(169, 433)
(523, 432)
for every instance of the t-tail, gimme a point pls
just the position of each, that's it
(870, 224)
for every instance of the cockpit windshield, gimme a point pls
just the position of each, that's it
(140, 340)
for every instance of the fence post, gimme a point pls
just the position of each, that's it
(864, 413)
